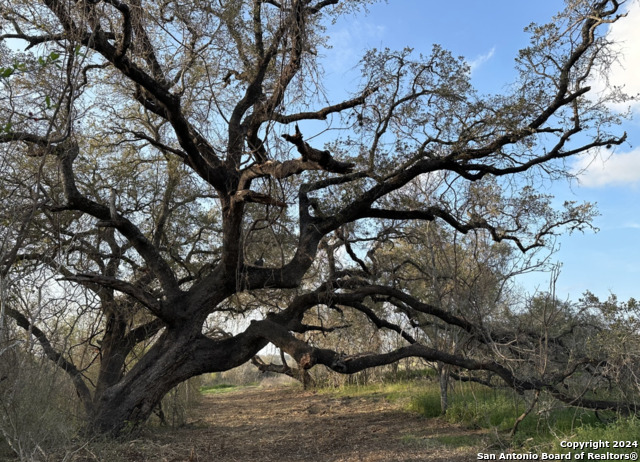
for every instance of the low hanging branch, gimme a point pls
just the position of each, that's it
(300, 374)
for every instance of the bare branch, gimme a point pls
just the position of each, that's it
(55, 356)
(144, 297)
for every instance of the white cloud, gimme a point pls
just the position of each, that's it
(608, 170)
(349, 43)
(480, 60)
(626, 71)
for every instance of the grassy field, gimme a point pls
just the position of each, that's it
(495, 411)
(374, 423)
(222, 388)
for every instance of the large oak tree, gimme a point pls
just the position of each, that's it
(159, 155)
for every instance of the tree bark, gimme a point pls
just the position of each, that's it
(131, 401)
(443, 379)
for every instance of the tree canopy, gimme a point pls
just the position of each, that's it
(162, 180)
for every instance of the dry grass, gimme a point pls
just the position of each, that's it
(290, 425)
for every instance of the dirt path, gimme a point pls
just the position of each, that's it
(290, 425)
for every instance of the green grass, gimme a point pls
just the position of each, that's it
(417, 441)
(623, 430)
(542, 430)
(458, 441)
(222, 388)
(478, 407)
(391, 391)
(426, 404)
(484, 408)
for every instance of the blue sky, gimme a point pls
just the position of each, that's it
(489, 34)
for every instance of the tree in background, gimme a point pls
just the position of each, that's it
(168, 186)
(465, 276)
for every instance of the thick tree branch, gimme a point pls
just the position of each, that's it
(308, 356)
(144, 332)
(323, 158)
(127, 32)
